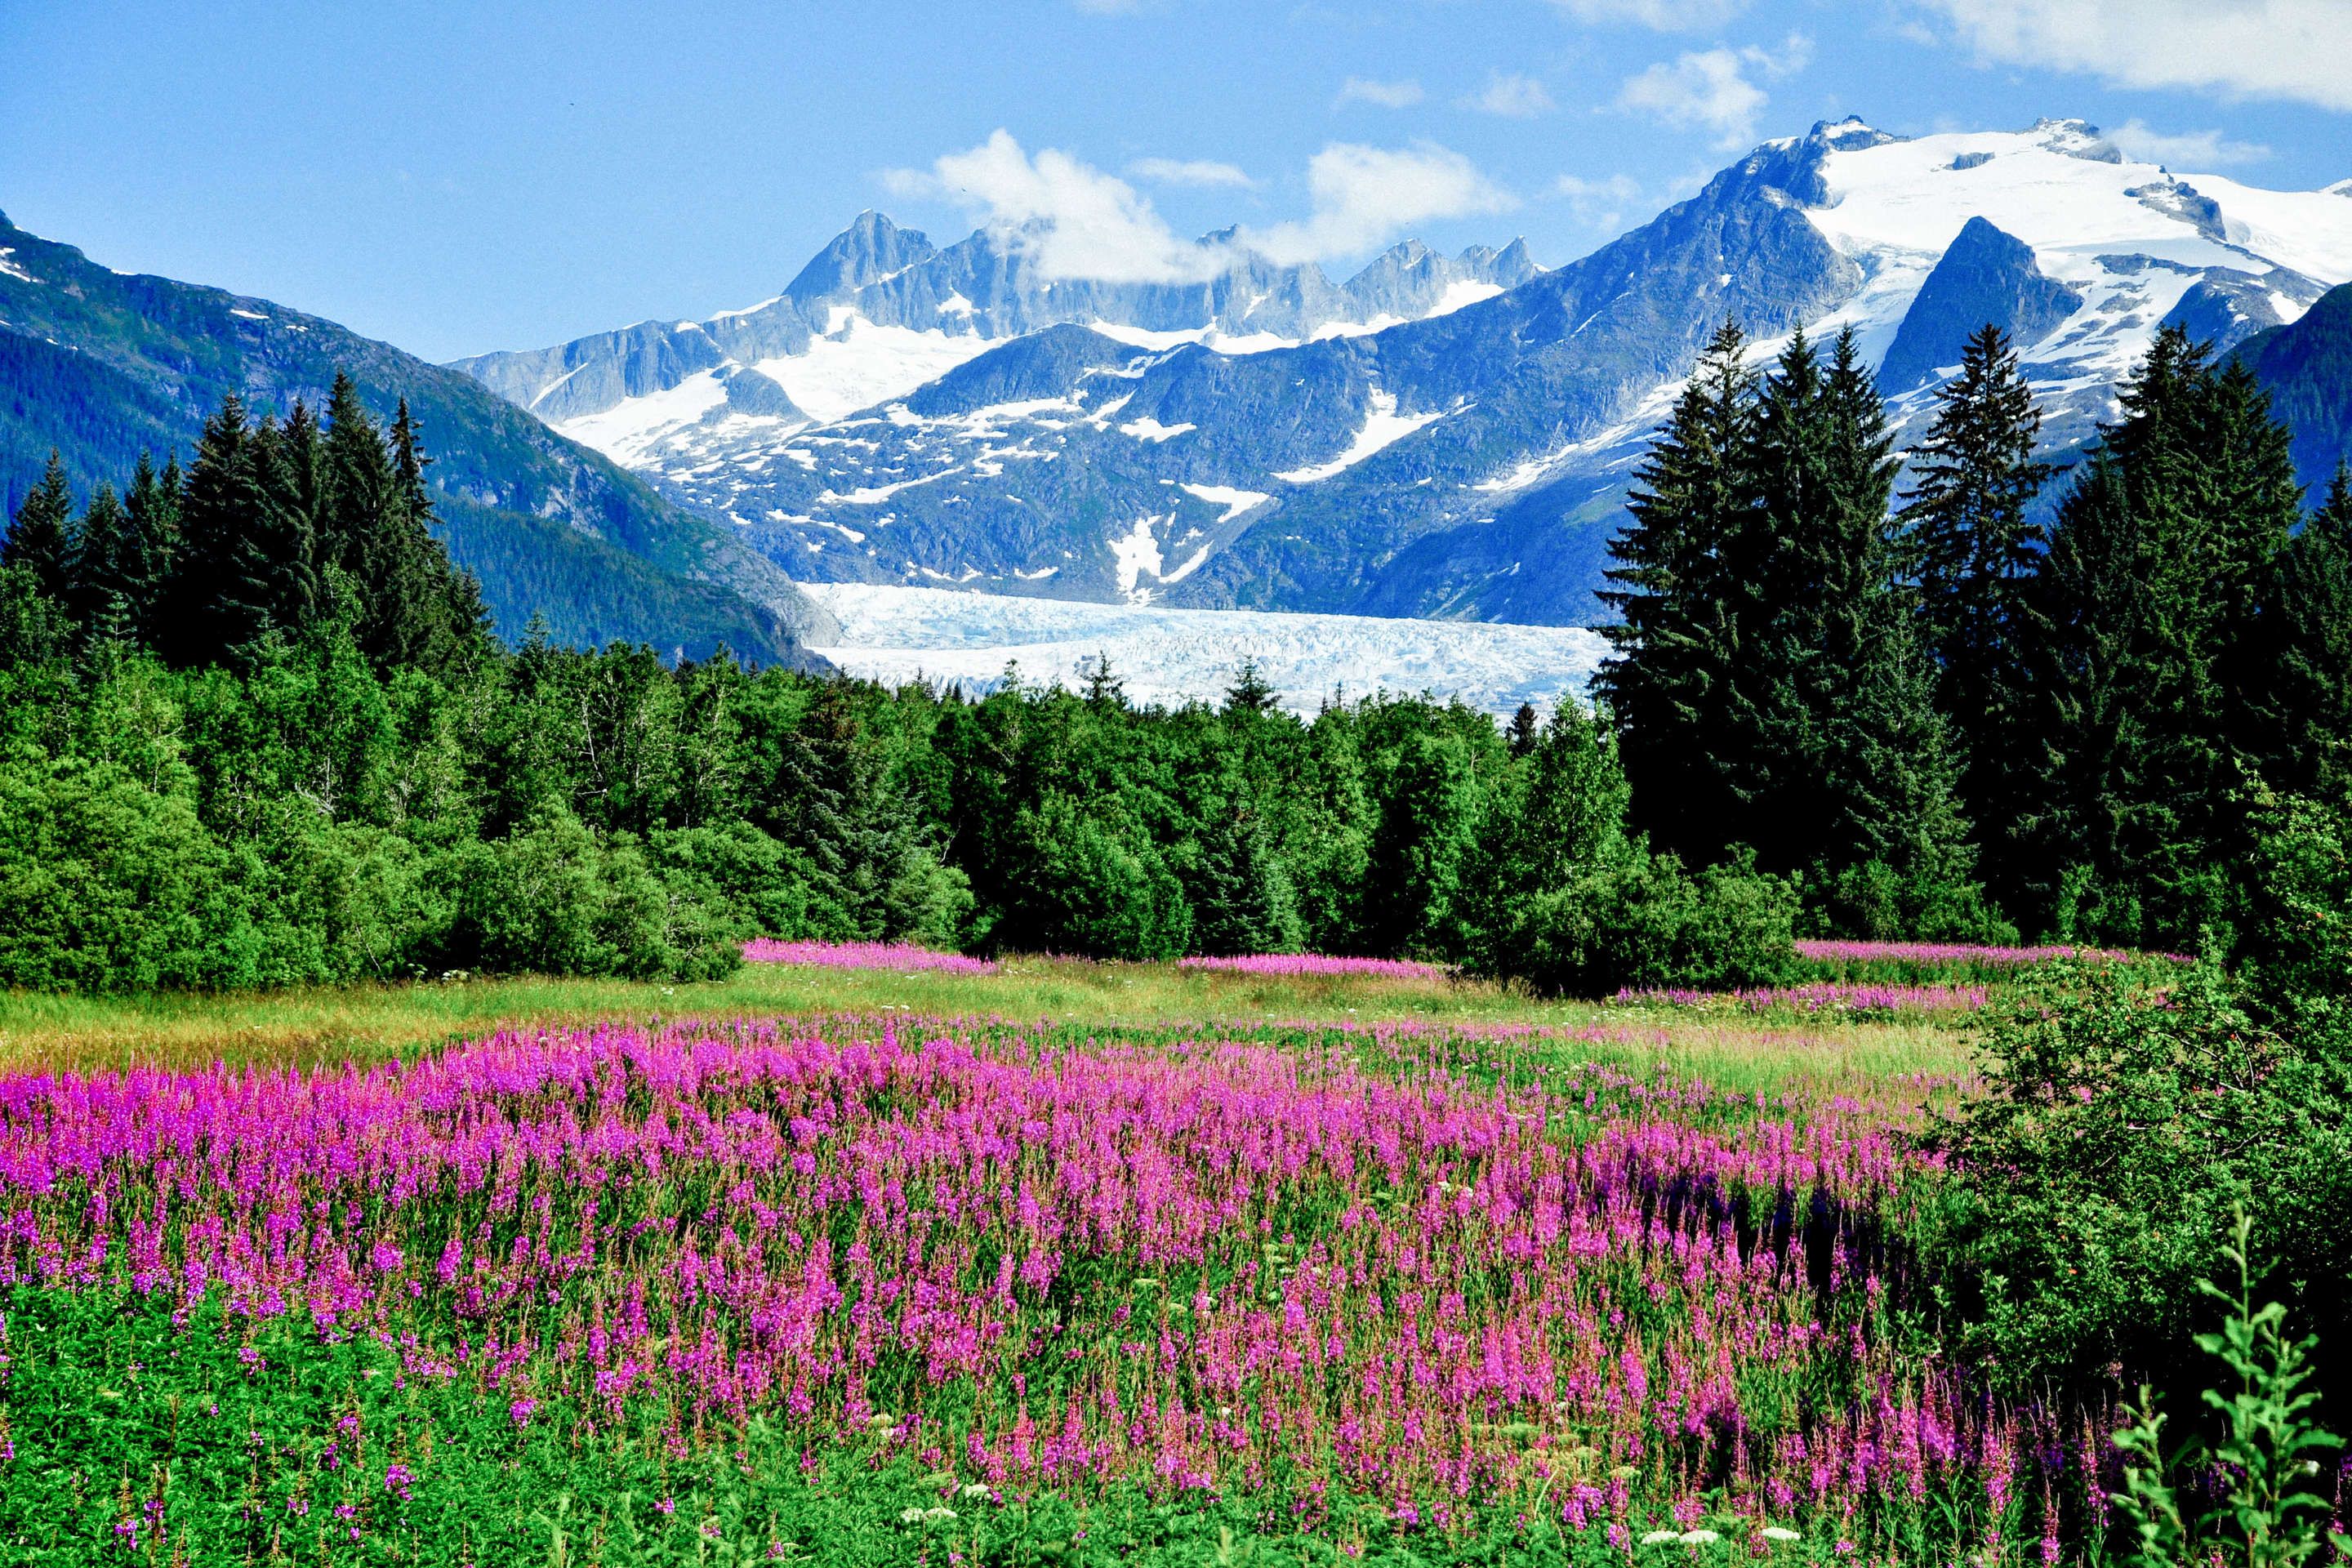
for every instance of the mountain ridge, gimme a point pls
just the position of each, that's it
(1467, 462)
(99, 365)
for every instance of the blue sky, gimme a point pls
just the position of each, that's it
(466, 176)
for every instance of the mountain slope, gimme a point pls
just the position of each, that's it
(99, 366)
(2307, 368)
(880, 311)
(1226, 446)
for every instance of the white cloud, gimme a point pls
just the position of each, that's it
(2187, 149)
(1365, 196)
(1387, 94)
(1513, 95)
(1072, 219)
(1710, 89)
(1600, 203)
(1664, 15)
(2256, 49)
(1189, 171)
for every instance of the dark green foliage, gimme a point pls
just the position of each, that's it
(1679, 595)
(1242, 898)
(2127, 1123)
(1769, 686)
(2149, 620)
(2296, 679)
(1558, 895)
(1974, 541)
(39, 538)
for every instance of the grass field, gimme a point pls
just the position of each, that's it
(1435, 1272)
(365, 1023)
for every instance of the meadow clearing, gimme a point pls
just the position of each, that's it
(1045, 1262)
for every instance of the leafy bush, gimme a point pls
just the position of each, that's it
(551, 898)
(2126, 1117)
(2266, 1512)
(1098, 887)
(108, 886)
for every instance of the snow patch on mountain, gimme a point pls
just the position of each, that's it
(897, 633)
(1383, 427)
(1235, 500)
(859, 365)
(630, 433)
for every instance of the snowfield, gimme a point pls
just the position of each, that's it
(895, 634)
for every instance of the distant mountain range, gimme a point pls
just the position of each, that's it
(99, 366)
(1437, 435)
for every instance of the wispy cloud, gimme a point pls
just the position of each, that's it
(1189, 171)
(2259, 48)
(2186, 149)
(1510, 95)
(1073, 220)
(1386, 94)
(1362, 197)
(1711, 88)
(1600, 203)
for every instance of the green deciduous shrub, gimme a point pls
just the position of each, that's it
(2127, 1116)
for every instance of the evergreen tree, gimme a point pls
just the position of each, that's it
(355, 484)
(218, 602)
(108, 571)
(1243, 900)
(2148, 609)
(1526, 729)
(2297, 680)
(1250, 692)
(152, 530)
(41, 540)
(1678, 593)
(1973, 544)
(282, 553)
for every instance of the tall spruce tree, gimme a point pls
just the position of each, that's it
(444, 618)
(108, 571)
(152, 516)
(41, 538)
(2297, 680)
(1973, 542)
(282, 551)
(1676, 591)
(217, 604)
(2147, 611)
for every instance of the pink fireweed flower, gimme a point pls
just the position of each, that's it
(1310, 965)
(902, 957)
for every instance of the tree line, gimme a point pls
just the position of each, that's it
(253, 729)
(1954, 710)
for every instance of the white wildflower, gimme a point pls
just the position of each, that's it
(1699, 1537)
(1660, 1537)
(1780, 1532)
(910, 1516)
(939, 1515)
(975, 1490)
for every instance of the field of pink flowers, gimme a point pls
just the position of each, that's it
(1309, 965)
(1439, 1280)
(902, 957)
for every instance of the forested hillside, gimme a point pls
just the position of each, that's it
(99, 366)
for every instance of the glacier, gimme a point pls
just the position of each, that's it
(946, 637)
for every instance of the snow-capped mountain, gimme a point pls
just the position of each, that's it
(1395, 445)
(880, 311)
